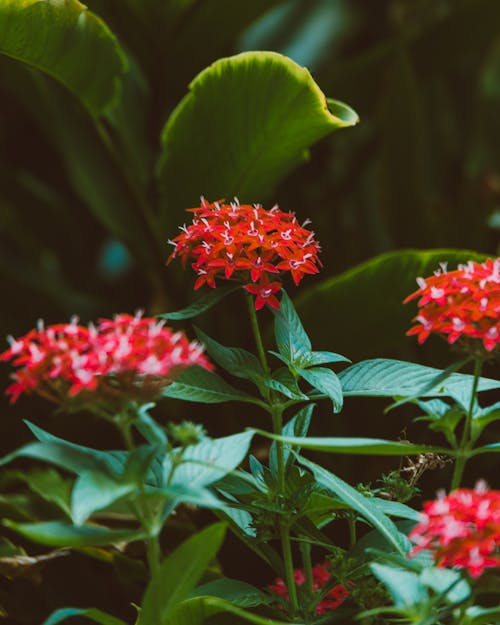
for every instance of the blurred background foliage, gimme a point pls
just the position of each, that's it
(420, 171)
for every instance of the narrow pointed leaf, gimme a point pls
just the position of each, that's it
(203, 303)
(92, 614)
(325, 381)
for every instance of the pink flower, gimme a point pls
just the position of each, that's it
(125, 357)
(462, 529)
(321, 576)
(460, 304)
(248, 244)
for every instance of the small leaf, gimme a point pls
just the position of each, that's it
(236, 361)
(298, 426)
(209, 299)
(363, 505)
(406, 589)
(285, 383)
(477, 615)
(320, 358)
(233, 590)
(60, 534)
(199, 385)
(179, 573)
(93, 614)
(325, 381)
(447, 582)
(291, 338)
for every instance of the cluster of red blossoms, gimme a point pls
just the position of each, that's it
(460, 304)
(462, 529)
(125, 354)
(248, 244)
(335, 597)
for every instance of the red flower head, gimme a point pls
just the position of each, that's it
(335, 597)
(462, 529)
(122, 358)
(460, 304)
(248, 244)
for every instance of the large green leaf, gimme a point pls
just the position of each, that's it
(361, 312)
(179, 573)
(245, 123)
(60, 534)
(358, 446)
(68, 42)
(386, 377)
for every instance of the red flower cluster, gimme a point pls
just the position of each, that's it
(462, 529)
(248, 244)
(335, 597)
(460, 303)
(126, 354)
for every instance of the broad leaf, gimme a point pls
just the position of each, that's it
(358, 502)
(382, 377)
(37, 33)
(477, 615)
(209, 461)
(245, 142)
(59, 534)
(360, 312)
(236, 361)
(325, 381)
(92, 614)
(199, 385)
(50, 485)
(206, 301)
(447, 581)
(405, 587)
(359, 446)
(95, 491)
(179, 573)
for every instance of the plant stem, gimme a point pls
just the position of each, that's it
(466, 434)
(305, 550)
(154, 554)
(256, 332)
(352, 528)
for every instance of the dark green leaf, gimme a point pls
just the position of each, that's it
(199, 385)
(363, 505)
(405, 587)
(179, 573)
(37, 33)
(291, 338)
(234, 360)
(233, 590)
(325, 381)
(298, 426)
(477, 615)
(206, 301)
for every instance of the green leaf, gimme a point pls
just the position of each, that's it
(179, 573)
(245, 142)
(50, 485)
(486, 449)
(199, 385)
(95, 491)
(233, 590)
(60, 534)
(447, 581)
(298, 426)
(360, 312)
(405, 587)
(210, 460)
(325, 381)
(206, 301)
(148, 427)
(285, 383)
(363, 505)
(358, 446)
(291, 338)
(97, 616)
(37, 33)
(477, 615)
(321, 358)
(236, 361)
(382, 377)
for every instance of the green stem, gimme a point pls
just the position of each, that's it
(154, 554)
(465, 441)
(288, 562)
(305, 550)
(352, 528)
(256, 332)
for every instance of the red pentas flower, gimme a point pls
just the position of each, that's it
(248, 244)
(461, 304)
(461, 529)
(321, 576)
(125, 357)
